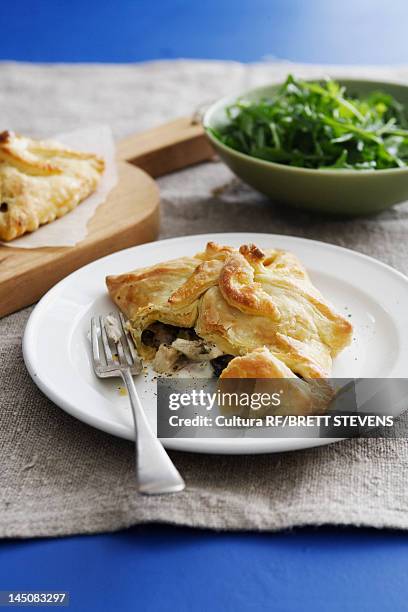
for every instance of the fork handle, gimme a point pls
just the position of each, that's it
(155, 471)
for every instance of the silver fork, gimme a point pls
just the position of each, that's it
(155, 471)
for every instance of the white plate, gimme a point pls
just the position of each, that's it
(57, 352)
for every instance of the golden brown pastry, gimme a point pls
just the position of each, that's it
(311, 396)
(253, 312)
(41, 181)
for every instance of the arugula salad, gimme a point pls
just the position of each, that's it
(320, 125)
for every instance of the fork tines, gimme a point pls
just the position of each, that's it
(112, 345)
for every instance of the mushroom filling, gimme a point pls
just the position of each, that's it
(179, 347)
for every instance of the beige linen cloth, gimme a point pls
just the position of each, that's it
(59, 476)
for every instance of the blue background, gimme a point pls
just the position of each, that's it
(346, 31)
(164, 568)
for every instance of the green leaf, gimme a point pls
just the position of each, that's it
(319, 125)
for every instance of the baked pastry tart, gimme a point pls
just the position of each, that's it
(238, 313)
(41, 181)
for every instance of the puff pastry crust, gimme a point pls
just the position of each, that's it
(311, 396)
(41, 181)
(259, 306)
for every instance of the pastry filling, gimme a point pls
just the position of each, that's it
(179, 348)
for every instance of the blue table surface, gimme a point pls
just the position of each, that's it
(174, 569)
(167, 568)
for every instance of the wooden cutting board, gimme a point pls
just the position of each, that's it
(129, 216)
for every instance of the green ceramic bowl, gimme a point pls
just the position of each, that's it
(340, 192)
